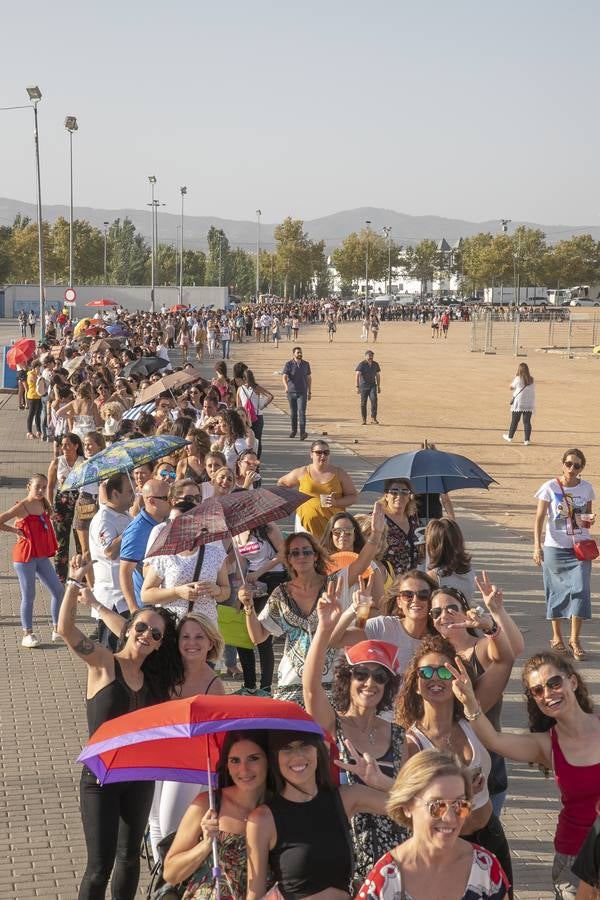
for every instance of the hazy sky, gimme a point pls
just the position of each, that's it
(474, 110)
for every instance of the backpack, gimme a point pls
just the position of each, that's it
(250, 408)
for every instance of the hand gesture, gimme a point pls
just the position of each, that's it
(377, 518)
(245, 595)
(364, 767)
(207, 587)
(462, 686)
(492, 597)
(187, 592)
(328, 606)
(210, 824)
(79, 566)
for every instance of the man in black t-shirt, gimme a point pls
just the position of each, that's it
(368, 385)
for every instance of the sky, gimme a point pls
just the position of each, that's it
(473, 110)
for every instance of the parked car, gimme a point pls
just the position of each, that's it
(582, 301)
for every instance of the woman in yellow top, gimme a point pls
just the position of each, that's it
(34, 401)
(330, 488)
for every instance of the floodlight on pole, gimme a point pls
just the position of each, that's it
(387, 230)
(71, 126)
(258, 215)
(106, 224)
(152, 180)
(183, 191)
(367, 223)
(35, 95)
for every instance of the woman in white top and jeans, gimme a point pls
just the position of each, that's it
(522, 403)
(254, 399)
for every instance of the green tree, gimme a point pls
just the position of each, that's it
(128, 254)
(350, 259)
(194, 267)
(218, 257)
(243, 267)
(422, 262)
(5, 252)
(574, 261)
(531, 255)
(293, 254)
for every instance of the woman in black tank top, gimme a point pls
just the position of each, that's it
(143, 671)
(302, 833)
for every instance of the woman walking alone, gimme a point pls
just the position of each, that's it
(522, 403)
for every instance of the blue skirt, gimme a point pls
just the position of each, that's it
(567, 584)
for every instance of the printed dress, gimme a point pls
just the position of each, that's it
(401, 550)
(232, 883)
(486, 880)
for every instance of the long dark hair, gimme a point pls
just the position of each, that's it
(280, 739)
(258, 736)
(327, 539)
(163, 668)
(538, 721)
(445, 547)
(340, 691)
(409, 706)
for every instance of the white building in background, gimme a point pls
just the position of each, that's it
(401, 284)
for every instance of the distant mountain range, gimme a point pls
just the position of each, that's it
(333, 229)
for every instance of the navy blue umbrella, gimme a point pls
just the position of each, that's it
(430, 472)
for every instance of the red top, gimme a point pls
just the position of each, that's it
(38, 538)
(579, 793)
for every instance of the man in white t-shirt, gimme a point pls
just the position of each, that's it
(106, 529)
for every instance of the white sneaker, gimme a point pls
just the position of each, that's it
(526, 443)
(30, 641)
(56, 638)
(507, 438)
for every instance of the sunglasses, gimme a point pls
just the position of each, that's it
(573, 465)
(553, 684)
(155, 633)
(398, 492)
(380, 676)
(427, 673)
(423, 594)
(436, 611)
(305, 551)
(321, 452)
(159, 497)
(341, 532)
(166, 474)
(437, 809)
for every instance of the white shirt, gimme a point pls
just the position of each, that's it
(523, 395)
(176, 570)
(107, 525)
(390, 630)
(578, 497)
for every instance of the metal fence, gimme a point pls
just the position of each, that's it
(509, 332)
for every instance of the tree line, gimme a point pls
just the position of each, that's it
(297, 265)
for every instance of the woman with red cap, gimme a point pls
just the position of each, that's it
(365, 683)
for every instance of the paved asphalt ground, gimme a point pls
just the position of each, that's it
(42, 707)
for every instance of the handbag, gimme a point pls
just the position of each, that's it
(232, 625)
(587, 549)
(517, 394)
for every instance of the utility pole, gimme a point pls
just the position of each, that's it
(152, 180)
(105, 227)
(367, 223)
(258, 215)
(183, 191)
(387, 230)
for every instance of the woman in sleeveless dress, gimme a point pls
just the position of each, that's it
(63, 502)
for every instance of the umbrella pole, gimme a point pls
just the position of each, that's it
(238, 560)
(216, 869)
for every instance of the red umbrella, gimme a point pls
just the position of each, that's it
(177, 308)
(20, 353)
(102, 302)
(218, 517)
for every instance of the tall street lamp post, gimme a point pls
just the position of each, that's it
(258, 215)
(368, 224)
(152, 180)
(105, 227)
(71, 126)
(35, 95)
(183, 191)
(387, 230)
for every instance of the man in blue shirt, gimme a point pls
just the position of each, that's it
(368, 385)
(297, 381)
(155, 495)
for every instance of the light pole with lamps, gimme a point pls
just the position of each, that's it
(152, 180)
(105, 227)
(367, 223)
(183, 191)
(35, 95)
(387, 230)
(258, 215)
(71, 126)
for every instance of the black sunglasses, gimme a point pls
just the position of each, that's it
(380, 676)
(436, 611)
(423, 594)
(155, 633)
(553, 684)
(573, 465)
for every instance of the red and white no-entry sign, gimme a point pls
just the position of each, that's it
(70, 295)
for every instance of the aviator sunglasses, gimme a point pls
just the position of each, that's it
(437, 809)
(436, 611)
(572, 464)
(142, 627)
(305, 551)
(553, 684)
(442, 672)
(380, 676)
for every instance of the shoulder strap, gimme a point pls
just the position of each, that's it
(345, 825)
(197, 569)
(210, 683)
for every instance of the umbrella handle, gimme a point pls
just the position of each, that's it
(238, 560)
(216, 869)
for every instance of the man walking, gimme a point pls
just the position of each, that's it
(368, 385)
(297, 382)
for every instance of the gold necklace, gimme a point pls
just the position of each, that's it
(370, 735)
(444, 739)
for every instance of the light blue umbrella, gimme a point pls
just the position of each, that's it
(430, 472)
(124, 456)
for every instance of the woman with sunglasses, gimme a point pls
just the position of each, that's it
(565, 508)
(69, 452)
(191, 464)
(247, 471)
(435, 720)
(144, 670)
(365, 683)
(402, 522)
(343, 536)
(565, 738)
(291, 610)
(165, 470)
(432, 797)
(330, 488)
(404, 622)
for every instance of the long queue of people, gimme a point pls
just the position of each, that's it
(384, 645)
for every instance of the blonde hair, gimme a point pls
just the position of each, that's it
(411, 506)
(212, 633)
(415, 776)
(113, 408)
(219, 471)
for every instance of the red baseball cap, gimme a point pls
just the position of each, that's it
(379, 652)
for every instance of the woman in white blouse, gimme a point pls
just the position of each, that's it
(522, 403)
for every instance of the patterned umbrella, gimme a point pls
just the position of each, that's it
(181, 740)
(215, 518)
(118, 330)
(20, 353)
(124, 456)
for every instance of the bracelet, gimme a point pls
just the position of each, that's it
(74, 581)
(248, 610)
(494, 631)
(474, 716)
(372, 542)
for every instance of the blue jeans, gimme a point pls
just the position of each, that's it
(42, 568)
(369, 393)
(225, 343)
(297, 411)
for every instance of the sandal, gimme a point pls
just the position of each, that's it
(578, 651)
(559, 647)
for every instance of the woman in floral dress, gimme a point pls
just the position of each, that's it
(402, 521)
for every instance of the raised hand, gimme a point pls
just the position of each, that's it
(492, 597)
(377, 518)
(364, 767)
(328, 606)
(462, 686)
(79, 566)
